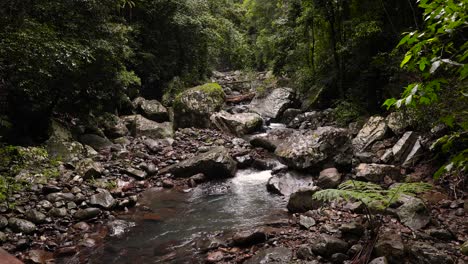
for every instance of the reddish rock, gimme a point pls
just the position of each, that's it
(6, 258)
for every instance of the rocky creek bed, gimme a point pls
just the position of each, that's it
(134, 191)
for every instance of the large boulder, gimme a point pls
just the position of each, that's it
(274, 104)
(375, 129)
(286, 183)
(140, 126)
(194, 107)
(151, 109)
(376, 172)
(237, 124)
(314, 149)
(216, 163)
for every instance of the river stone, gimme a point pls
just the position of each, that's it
(55, 197)
(113, 126)
(35, 216)
(402, 148)
(413, 213)
(391, 246)
(424, 253)
(249, 237)
(328, 245)
(375, 129)
(329, 178)
(275, 255)
(3, 222)
(286, 183)
(152, 109)
(306, 221)
(140, 126)
(58, 212)
(88, 169)
(377, 172)
(103, 199)
(237, 124)
(314, 149)
(304, 252)
(96, 142)
(88, 213)
(194, 107)
(21, 226)
(216, 163)
(273, 104)
(137, 174)
(119, 227)
(301, 201)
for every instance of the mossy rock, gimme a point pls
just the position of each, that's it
(193, 107)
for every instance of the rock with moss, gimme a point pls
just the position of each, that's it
(140, 126)
(237, 124)
(314, 149)
(194, 107)
(61, 144)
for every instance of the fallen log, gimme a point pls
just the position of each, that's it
(240, 98)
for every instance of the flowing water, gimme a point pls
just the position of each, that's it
(179, 221)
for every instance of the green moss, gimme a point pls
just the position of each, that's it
(214, 90)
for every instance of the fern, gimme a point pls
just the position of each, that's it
(370, 193)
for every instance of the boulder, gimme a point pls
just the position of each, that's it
(237, 124)
(113, 126)
(88, 169)
(404, 146)
(413, 213)
(271, 139)
(249, 237)
(314, 149)
(58, 212)
(329, 178)
(55, 197)
(397, 122)
(376, 172)
(95, 141)
(272, 106)
(194, 107)
(424, 253)
(414, 155)
(35, 216)
(103, 199)
(375, 129)
(216, 163)
(21, 226)
(390, 245)
(301, 201)
(306, 221)
(289, 114)
(286, 183)
(88, 213)
(274, 255)
(328, 245)
(310, 120)
(140, 126)
(151, 109)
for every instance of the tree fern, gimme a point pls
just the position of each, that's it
(368, 193)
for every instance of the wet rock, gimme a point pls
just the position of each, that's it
(276, 255)
(194, 107)
(58, 212)
(329, 178)
(314, 149)
(55, 197)
(214, 257)
(244, 161)
(6, 258)
(249, 237)
(237, 124)
(306, 221)
(381, 260)
(113, 126)
(424, 253)
(103, 199)
(286, 183)
(328, 245)
(301, 201)
(140, 126)
(413, 213)
(137, 174)
(375, 129)
(88, 213)
(216, 163)
(35, 216)
(119, 227)
(377, 172)
(151, 109)
(21, 226)
(95, 141)
(305, 253)
(402, 148)
(274, 104)
(3, 222)
(391, 246)
(88, 169)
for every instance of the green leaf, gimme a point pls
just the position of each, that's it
(406, 59)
